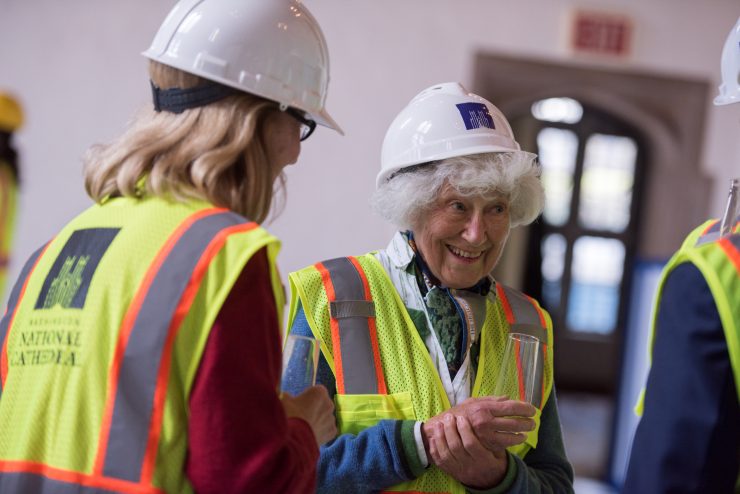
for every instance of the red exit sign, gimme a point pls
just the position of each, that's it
(601, 33)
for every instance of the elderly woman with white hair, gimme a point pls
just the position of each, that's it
(412, 337)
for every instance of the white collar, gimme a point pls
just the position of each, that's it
(401, 255)
(400, 252)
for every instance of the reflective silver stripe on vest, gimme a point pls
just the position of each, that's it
(15, 295)
(354, 332)
(38, 484)
(526, 317)
(527, 321)
(134, 399)
(341, 309)
(712, 234)
(707, 238)
(735, 240)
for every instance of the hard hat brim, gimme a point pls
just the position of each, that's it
(387, 173)
(323, 118)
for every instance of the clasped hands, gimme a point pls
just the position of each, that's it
(469, 440)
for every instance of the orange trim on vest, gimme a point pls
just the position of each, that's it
(4, 357)
(127, 326)
(94, 481)
(544, 359)
(519, 370)
(731, 251)
(379, 374)
(541, 314)
(538, 309)
(183, 307)
(505, 304)
(511, 320)
(336, 344)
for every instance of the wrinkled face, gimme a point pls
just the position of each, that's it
(283, 140)
(461, 238)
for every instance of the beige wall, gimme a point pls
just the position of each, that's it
(77, 68)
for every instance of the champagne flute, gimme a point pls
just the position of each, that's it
(300, 361)
(520, 367)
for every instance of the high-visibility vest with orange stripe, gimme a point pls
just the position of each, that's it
(102, 339)
(382, 368)
(718, 260)
(8, 199)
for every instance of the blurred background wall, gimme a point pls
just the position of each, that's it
(76, 68)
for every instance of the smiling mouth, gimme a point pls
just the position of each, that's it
(465, 254)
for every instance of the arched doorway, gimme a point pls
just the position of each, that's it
(581, 251)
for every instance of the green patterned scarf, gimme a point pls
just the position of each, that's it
(444, 315)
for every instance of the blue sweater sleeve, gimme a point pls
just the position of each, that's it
(689, 436)
(370, 461)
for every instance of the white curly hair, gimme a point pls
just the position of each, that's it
(408, 194)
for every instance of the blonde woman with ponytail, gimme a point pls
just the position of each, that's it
(141, 346)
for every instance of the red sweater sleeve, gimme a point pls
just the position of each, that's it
(240, 439)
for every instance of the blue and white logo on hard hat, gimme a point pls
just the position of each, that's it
(475, 116)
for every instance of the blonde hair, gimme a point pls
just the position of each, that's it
(214, 152)
(408, 195)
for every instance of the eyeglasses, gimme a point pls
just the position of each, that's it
(307, 125)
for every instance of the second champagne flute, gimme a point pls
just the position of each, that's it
(300, 361)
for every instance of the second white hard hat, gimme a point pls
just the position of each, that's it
(271, 48)
(729, 90)
(443, 121)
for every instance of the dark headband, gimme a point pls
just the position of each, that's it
(176, 100)
(412, 169)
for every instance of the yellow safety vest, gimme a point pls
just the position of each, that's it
(8, 201)
(382, 368)
(718, 260)
(102, 340)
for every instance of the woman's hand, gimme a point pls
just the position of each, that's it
(315, 407)
(497, 421)
(456, 450)
(469, 441)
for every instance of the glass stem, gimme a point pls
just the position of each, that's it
(728, 220)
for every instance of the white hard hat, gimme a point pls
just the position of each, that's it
(729, 90)
(271, 48)
(441, 122)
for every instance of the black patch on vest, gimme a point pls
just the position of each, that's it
(67, 283)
